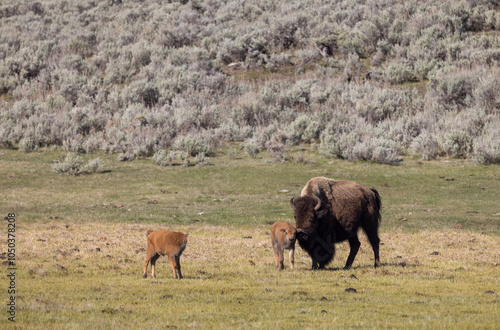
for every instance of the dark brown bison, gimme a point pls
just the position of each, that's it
(331, 211)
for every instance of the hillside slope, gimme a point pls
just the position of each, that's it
(361, 80)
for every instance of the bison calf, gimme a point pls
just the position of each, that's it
(165, 242)
(283, 237)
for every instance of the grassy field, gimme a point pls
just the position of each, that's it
(80, 244)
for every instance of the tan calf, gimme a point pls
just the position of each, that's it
(283, 237)
(165, 242)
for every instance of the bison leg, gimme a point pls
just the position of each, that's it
(354, 244)
(153, 264)
(317, 265)
(375, 242)
(291, 256)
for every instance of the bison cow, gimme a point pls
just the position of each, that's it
(283, 238)
(331, 211)
(165, 242)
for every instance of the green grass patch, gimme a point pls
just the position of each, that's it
(241, 191)
(80, 244)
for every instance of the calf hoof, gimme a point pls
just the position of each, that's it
(144, 275)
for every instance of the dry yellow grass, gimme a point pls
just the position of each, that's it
(89, 275)
(80, 258)
(213, 244)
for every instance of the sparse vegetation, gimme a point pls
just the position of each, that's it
(133, 78)
(74, 165)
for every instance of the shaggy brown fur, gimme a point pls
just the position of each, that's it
(165, 242)
(331, 211)
(283, 237)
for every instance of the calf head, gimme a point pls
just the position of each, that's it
(308, 214)
(290, 232)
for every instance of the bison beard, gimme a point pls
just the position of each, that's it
(331, 211)
(320, 249)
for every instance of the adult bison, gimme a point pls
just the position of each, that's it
(331, 211)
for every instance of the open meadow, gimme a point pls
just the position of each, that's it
(206, 117)
(81, 240)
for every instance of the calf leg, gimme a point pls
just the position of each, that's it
(176, 268)
(291, 256)
(178, 262)
(276, 256)
(153, 264)
(146, 263)
(279, 261)
(354, 244)
(149, 254)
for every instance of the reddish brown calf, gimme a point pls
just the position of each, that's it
(165, 242)
(283, 237)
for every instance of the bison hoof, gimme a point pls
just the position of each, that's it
(347, 267)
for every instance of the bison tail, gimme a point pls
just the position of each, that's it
(378, 202)
(149, 232)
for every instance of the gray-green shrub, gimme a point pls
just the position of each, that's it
(74, 165)
(69, 77)
(163, 158)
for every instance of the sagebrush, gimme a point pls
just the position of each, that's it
(134, 78)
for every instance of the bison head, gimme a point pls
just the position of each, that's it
(307, 213)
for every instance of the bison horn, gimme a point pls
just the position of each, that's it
(291, 204)
(318, 203)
